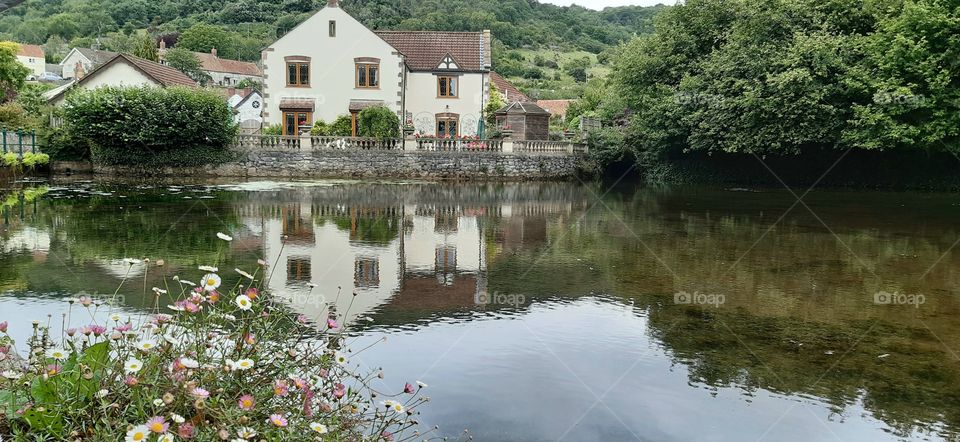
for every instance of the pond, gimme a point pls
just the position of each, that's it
(558, 311)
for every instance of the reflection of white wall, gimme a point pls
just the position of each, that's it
(424, 240)
(332, 259)
(28, 239)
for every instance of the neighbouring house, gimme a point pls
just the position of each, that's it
(80, 61)
(509, 92)
(527, 121)
(222, 71)
(33, 58)
(557, 108)
(123, 70)
(332, 65)
(247, 107)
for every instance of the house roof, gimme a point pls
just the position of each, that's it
(509, 91)
(213, 63)
(30, 51)
(298, 104)
(164, 75)
(252, 94)
(424, 50)
(518, 107)
(359, 105)
(555, 107)
(96, 56)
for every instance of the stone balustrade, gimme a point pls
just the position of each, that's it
(423, 144)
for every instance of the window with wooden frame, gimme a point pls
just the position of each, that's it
(367, 73)
(298, 71)
(295, 122)
(448, 125)
(448, 87)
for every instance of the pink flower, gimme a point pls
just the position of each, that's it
(387, 436)
(191, 307)
(252, 293)
(249, 339)
(247, 402)
(303, 319)
(408, 388)
(213, 297)
(131, 381)
(278, 420)
(3, 327)
(158, 425)
(124, 328)
(308, 402)
(71, 332)
(86, 330)
(53, 370)
(331, 323)
(98, 330)
(199, 393)
(186, 431)
(339, 390)
(4, 349)
(162, 319)
(86, 301)
(324, 373)
(281, 388)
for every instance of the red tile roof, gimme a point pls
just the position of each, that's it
(509, 91)
(425, 49)
(165, 75)
(555, 107)
(212, 63)
(30, 51)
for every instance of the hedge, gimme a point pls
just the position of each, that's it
(151, 126)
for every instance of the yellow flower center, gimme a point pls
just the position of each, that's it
(156, 427)
(211, 281)
(139, 436)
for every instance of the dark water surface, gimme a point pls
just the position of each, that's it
(547, 312)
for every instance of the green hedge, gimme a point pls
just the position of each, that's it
(151, 126)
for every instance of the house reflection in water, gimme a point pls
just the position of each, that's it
(408, 257)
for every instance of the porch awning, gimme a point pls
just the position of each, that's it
(298, 104)
(359, 105)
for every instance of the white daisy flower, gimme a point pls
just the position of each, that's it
(158, 403)
(244, 302)
(224, 236)
(58, 354)
(132, 365)
(244, 274)
(103, 393)
(165, 438)
(11, 375)
(211, 281)
(177, 418)
(246, 433)
(146, 345)
(189, 283)
(138, 434)
(318, 428)
(340, 358)
(243, 364)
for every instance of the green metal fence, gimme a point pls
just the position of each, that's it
(19, 140)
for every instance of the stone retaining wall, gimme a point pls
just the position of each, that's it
(333, 163)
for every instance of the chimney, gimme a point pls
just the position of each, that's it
(231, 92)
(333, 4)
(163, 45)
(246, 91)
(213, 52)
(78, 72)
(487, 49)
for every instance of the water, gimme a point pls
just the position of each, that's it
(559, 311)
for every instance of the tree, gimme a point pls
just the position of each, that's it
(203, 37)
(496, 103)
(146, 48)
(188, 63)
(13, 75)
(578, 69)
(378, 122)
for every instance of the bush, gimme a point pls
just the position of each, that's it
(342, 126)
(378, 122)
(61, 145)
(13, 116)
(320, 129)
(227, 361)
(11, 159)
(32, 160)
(152, 127)
(273, 129)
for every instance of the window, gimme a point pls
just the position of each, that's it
(333, 28)
(447, 87)
(296, 122)
(298, 269)
(448, 125)
(366, 272)
(368, 75)
(298, 72)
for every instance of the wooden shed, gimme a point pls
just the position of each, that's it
(527, 120)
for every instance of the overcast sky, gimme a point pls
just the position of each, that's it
(600, 4)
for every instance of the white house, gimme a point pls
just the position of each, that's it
(247, 108)
(332, 65)
(123, 70)
(33, 58)
(222, 71)
(80, 61)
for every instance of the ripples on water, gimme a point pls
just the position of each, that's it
(535, 313)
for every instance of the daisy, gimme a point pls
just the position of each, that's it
(243, 301)
(158, 402)
(146, 345)
(159, 291)
(11, 375)
(246, 433)
(209, 269)
(244, 274)
(138, 434)
(243, 364)
(211, 281)
(115, 317)
(393, 405)
(340, 358)
(199, 393)
(189, 363)
(132, 365)
(177, 418)
(247, 402)
(319, 428)
(421, 384)
(103, 393)
(278, 420)
(185, 282)
(158, 425)
(224, 236)
(165, 438)
(58, 354)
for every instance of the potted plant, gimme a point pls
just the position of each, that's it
(408, 128)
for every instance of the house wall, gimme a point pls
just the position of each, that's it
(230, 79)
(37, 65)
(247, 112)
(332, 82)
(424, 104)
(69, 64)
(117, 74)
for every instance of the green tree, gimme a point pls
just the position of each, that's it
(188, 63)
(203, 37)
(496, 103)
(146, 48)
(378, 122)
(13, 75)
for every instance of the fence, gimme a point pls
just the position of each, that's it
(19, 141)
(271, 142)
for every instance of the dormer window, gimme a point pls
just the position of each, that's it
(448, 63)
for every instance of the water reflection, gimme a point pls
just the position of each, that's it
(538, 313)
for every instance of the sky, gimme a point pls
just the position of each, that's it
(600, 4)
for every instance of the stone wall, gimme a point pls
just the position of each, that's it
(334, 163)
